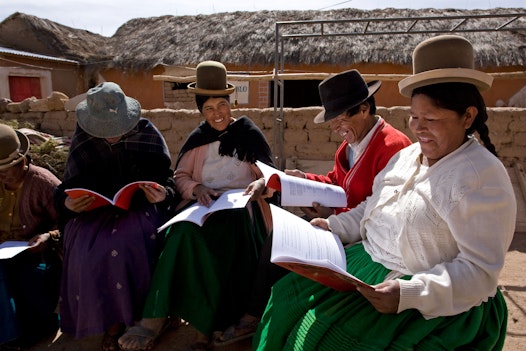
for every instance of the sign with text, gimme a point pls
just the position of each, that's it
(241, 94)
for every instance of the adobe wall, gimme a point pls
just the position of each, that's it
(302, 138)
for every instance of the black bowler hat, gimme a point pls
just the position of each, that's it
(342, 92)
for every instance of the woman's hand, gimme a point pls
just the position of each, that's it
(154, 193)
(320, 222)
(295, 173)
(317, 211)
(257, 189)
(38, 243)
(80, 204)
(204, 194)
(385, 296)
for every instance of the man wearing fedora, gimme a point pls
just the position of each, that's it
(29, 282)
(368, 140)
(205, 273)
(430, 240)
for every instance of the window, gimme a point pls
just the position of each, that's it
(299, 93)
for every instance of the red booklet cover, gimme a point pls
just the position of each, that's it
(121, 199)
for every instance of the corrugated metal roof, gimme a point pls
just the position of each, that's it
(4, 50)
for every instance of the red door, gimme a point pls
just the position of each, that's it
(21, 88)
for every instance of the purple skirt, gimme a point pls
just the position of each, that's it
(109, 256)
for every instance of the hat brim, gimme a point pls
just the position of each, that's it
(324, 117)
(480, 79)
(24, 149)
(207, 92)
(106, 125)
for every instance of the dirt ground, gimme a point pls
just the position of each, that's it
(512, 283)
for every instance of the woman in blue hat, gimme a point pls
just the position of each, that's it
(110, 252)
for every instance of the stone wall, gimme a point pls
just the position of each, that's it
(302, 139)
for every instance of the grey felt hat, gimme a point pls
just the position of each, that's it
(444, 59)
(107, 112)
(343, 91)
(14, 145)
(211, 80)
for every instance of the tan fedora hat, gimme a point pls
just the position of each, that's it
(14, 145)
(443, 59)
(211, 80)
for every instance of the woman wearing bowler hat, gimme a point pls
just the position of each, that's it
(430, 240)
(109, 253)
(29, 281)
(204, 274)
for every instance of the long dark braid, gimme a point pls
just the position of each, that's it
(458, 97)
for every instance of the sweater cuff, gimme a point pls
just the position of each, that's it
(410, 293)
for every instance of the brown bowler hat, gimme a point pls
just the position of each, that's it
(14, 145)
(444, 59)
(211, 80)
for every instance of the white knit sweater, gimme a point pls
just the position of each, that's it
(448, 225)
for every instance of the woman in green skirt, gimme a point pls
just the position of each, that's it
(204, 274)
(430, 240)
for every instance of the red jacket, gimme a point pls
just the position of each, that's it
(358, 181)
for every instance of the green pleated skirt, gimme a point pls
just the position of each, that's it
(304, 315)
(204, 274)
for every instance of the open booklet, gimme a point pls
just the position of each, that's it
(297, 191)
(310, 251)
(198, 214)
(10, 249)
(121, 199)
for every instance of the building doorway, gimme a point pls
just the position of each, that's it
(21, 88)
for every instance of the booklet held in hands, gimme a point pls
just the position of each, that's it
(198, 214)
(10, 249)
(297, 191)
(310, 251)
(121, 199)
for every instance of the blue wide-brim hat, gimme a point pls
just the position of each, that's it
(342, 92)
(107, 112)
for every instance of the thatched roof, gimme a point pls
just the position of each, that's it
(248, 39)
(40, 36)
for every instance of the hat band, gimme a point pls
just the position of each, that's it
(12, 156)
(229, 89)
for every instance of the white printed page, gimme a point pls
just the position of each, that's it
(297, 191)
(310, 251)
(297, 240)
(197, 213)
(303, 192)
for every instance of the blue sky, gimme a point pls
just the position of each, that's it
(105, 16)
